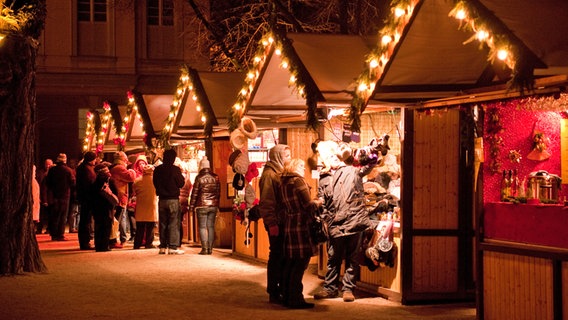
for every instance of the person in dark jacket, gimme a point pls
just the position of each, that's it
(168, 180)
(346, 221)
(103, 210)
(60, 181)
(205, 201)
(299, 247)
(85, 176)
(272, 213)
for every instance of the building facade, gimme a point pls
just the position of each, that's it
(93, 51)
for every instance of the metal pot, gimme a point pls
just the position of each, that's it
(543, 186)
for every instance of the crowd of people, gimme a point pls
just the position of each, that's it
(121, 198)
(288, 211)
(124, 201)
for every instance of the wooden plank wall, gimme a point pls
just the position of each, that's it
(435, 203)
(518, 287)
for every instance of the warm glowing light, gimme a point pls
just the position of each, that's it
(460, 14)
(362, 87)
(250, 75)
(171, 115)
(399, 12)
(203, 119)
(386, 39)
(284, 65)
(292, 78)
(502, 54)
(244, 91)
(257, 59)
(198, 108)
(179, 91)
(175, 103)
(482, 35)
(278, 52)
(237, 106)
(194, 97)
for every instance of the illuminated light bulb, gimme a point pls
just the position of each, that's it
(84, 147)
(141, 125)
(122, 136)
(237, 106)
(179, 91)
(278, 52)
(190, 87)
(372, 87)
(362, 87)
(460, 15)
(100, 141)
(250, 75)
(194, 97)
(244, 91)
(257, 59)
(386, 39)
(284, 65)
(482, 35)
(126, 119)
(203, 119)
(171, 115)
(168, 127)
(131, 99)
(198, 108)
(270, 39)
(264, 43)
(397, 37)
(86, 139)
(175, 103)
(373, 63)
(185, 78)
(292, 78)
(301, 91)
(399, 12)
(502, 54)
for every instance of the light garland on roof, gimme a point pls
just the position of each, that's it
(105, 122)
(299, 80)
(502, 43)
(376, 61)
(184, 84)
(90, 131)
(499, 45)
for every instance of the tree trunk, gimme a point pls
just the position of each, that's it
(19, 251)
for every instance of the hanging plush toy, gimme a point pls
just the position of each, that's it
(539, 150)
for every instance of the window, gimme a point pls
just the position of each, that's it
(161, 12)
(92, 10)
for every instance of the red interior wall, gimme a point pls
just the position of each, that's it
(518, 126)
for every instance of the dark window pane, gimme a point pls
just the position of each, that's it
(84, 10)
(153, 12)
(168, 12)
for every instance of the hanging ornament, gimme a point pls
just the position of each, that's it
(539, 147)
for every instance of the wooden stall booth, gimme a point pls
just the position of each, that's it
(523, 252)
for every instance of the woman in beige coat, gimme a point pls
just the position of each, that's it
(146, 209)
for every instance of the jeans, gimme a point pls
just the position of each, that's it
(206, 218)
(346, 247)
(168, 211)
(123, 223)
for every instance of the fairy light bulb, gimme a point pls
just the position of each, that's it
(386, 39)
(362, 86)
(373, 63)
(203, 119)
(502, 54)
(237, 106)
(482, 35)
(198, 108)
(399, 12)
(460, 15)
(278, 52)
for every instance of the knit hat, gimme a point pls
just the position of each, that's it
(252, 172)
(234, 156)
(120, 156)
(204, 163)
(238, 139)
(62, 157)
(248, 128)
(89, 156)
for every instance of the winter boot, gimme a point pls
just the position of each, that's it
(204, 248)
(209, 249)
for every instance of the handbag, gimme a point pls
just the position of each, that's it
(109, 196)
(318, 230)
(318, 227)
